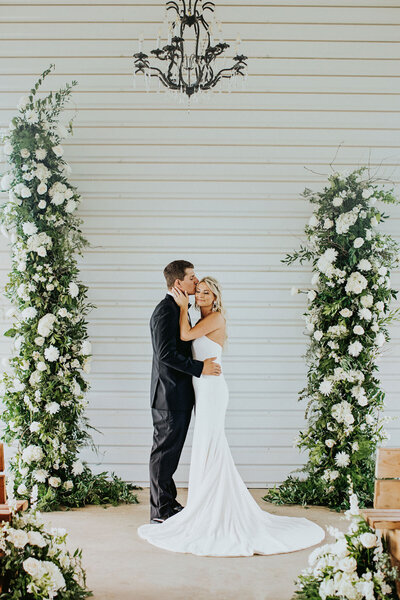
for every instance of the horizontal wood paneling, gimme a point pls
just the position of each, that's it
(219, 185)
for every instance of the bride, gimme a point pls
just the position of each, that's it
(221, 518)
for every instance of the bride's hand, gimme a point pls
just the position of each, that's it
(181, 298)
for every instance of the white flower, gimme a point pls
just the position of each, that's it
(355, 348)
(86, 348)
(326, 387)
(356, 283)
(58, 150)
(23, 103)
(345, 312)
(32, 454)
(86, 365)
(366, 193)
(367, 300)
(358, 242)
(41, 153)
(17, 537)
(380, 306)
(32, 117)
(330, 443)
(36, 539)
(52, 408)
(338, 201)
(312, 294)
(358, 330)
(77, 467)
(40, 475)
(368, 540)
(6, 181)
(73, 289)
(28, 313)
(33, 567)
(364, 265)
(42, 204)
(41, 366)
(22, 190)
(46, 324)
(328, 223)
(51, 353)
(54, 481)
(318, 335)
(70, 206)
(34, 426)
(348, 564)
(68, 485)
(22, 489)
(29, 228)
(41, 189)
(342, 459)
(365, 313)
(313, 222)
(380, 339)
(25, 153)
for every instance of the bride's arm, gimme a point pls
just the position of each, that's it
(207, 325)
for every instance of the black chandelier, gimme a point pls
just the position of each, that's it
(190, 64)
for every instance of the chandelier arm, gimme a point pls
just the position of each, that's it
(173, 4)
(165, 80)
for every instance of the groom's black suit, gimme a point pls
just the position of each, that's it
(172, 400)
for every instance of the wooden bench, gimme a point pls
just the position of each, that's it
(385, 516)
(5, 511)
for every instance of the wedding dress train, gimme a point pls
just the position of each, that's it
(221, 518)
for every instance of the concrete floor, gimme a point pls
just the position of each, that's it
(121, 566)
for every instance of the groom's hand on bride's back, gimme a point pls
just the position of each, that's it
(210, 367)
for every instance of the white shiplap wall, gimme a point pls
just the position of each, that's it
(219, 186)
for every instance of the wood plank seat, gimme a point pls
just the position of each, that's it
(385, 516)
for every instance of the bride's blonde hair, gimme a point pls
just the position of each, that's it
(215, 287)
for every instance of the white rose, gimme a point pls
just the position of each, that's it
(29, 228)
(367, 300)
(41, 188)
(355, 348)
(22, 489)
(36, 539)
(42, 204)
(330, 443)
(338, 201)
(54, 481)
(358, 242)
(368, 540)
(41, 366)
(348, 564)
(39, 341)
(18, 537)
(318, 335)
(358, 330)
(68, 485)
(33, 567)
(58, 150)
(41, 153)
(25, 153)
(73, 289)
(345, 312)
(34, 426)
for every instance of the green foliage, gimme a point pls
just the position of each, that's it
(347, 318)
(44, 387)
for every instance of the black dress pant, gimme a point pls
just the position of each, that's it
(170, 430)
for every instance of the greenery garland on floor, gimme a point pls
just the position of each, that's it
(44, 385)
(347, 317)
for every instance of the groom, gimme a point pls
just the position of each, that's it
(171, 393)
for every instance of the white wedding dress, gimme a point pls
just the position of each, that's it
(221, 518)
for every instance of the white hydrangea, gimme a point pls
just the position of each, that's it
(342, 412)
(45, 325)
(32, 453)
(356, 283)
(345, 221)
(355, 348)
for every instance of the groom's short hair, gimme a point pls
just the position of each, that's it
(176, 270)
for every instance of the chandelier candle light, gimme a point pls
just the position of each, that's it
(191, 61)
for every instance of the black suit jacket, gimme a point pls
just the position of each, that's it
(173, 365)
